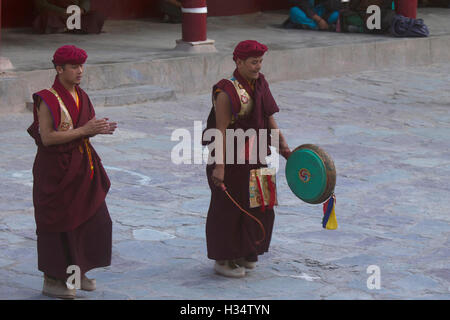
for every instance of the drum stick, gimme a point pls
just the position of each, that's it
(224, 188)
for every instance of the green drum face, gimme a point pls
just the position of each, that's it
(311, 174)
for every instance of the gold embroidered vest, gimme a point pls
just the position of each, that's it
(245, 99)
(66, 122)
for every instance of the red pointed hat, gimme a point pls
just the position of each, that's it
(249, 48)
(69, 55)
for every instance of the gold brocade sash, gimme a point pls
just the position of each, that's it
(262, 188)
(66, 124)
(245, 99)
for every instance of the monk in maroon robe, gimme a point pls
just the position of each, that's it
(242, 102)
(70, 184)
(52, 17)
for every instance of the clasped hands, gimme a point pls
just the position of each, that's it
(99, 126)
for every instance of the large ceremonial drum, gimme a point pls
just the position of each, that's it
(311, 174)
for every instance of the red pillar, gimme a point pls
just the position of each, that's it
(194, 20)
(193, 27)
(407, 8)
(5, 64)
(0, 27)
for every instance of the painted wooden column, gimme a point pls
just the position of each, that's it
(194, 27)
(5, 63)
(407, 8)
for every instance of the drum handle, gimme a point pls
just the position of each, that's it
(248, 213)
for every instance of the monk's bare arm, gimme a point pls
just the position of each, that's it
(283, 146)
(273, 125)
(223, 120)
(223, 117)
(51, 137)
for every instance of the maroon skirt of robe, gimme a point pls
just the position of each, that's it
(230, 233)
(88, 246)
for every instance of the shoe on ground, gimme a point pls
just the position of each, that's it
(57, 289)
(229, 269)
(88, 284)
(246, 264)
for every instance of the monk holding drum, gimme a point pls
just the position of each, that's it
(243, 193)
(244, 101)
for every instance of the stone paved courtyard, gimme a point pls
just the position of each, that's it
(389, 135)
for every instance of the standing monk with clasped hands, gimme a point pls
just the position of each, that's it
(73, 225)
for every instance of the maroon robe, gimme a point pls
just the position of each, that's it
(230, 233)
(72, 219)
(49, 21)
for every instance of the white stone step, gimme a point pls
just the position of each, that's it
(130, 95)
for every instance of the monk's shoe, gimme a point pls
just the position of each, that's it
(246, 264)
(57, 289)
(88, 284)
(229, 269)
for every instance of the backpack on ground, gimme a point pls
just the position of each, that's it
(408, 27)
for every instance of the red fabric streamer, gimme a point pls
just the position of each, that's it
(272, 192)
(263, 206)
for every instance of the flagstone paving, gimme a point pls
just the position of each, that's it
(389, 135)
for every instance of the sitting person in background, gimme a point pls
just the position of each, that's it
(171, 10)
(355, 18)
(52, 17)
(315, 15)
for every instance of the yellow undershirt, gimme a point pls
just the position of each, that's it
(77, 100)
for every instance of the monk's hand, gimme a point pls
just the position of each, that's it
(285, 151)
(218, 175)
(112, 126)
(95, 126)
